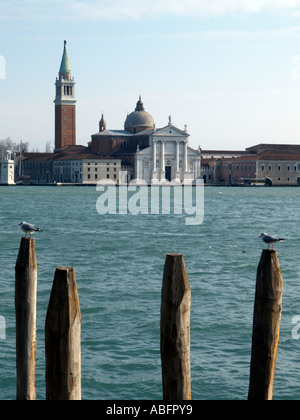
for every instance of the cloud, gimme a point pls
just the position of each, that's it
(139, 9)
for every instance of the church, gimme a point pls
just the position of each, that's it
(154, 155)
(138, 151)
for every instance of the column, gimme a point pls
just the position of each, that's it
(177, 156)
(185, 159)
(154, 156)
(137, 175)
(177, 161)
(198, 168)
(162, 162)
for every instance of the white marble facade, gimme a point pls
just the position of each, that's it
(169, 158)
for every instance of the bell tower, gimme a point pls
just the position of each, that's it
(65, 105)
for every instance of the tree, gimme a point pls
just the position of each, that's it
(49, 147)
(9, 144)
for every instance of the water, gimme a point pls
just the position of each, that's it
(119, 264)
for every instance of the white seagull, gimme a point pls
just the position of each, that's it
(28, 228)
(270, 240)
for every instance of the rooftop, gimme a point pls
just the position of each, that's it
(63, 156)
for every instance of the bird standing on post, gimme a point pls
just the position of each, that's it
(29, 228)
(270, 240)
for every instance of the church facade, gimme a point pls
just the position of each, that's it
(168, 158)
(147, 153)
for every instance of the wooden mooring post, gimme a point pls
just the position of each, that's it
(175, 330)
(266, 326)
(25, 307)
(63, 339)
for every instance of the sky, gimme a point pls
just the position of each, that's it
(228, 69)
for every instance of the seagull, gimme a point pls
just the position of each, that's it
(28, 228)
(270, 240)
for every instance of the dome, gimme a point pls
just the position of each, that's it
(139, 120)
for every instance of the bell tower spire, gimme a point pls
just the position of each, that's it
(102, 124)
(65, 105)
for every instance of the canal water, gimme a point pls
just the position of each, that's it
(119, 260)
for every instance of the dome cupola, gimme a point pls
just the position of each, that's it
(139, 120)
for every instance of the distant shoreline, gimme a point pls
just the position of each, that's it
(150, 185)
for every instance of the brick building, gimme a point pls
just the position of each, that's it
(283, 169)
(279, 163)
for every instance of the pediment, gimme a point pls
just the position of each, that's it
(170, 131)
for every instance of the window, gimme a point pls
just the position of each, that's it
(270, 168)
(107, 176)
(89, 176)
(288, 168)
(279, 168)
(146, 164)
(262, 167)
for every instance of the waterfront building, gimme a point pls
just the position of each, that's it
(282, 169)
(69, 167)
(148, 153)
(280, 163)
(7, 169)
(168, 158)
(139, 149)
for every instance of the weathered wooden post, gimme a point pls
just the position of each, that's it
(63, 338)
(266, 326)
(175, 330)
(25, 306)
